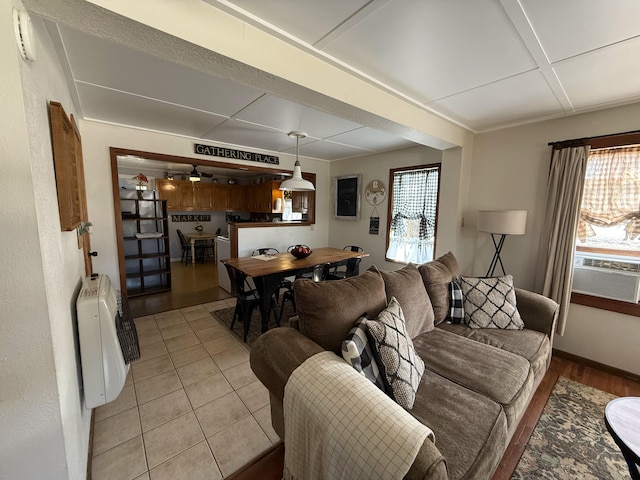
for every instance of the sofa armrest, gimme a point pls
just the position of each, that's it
(537, 311)
(277, 353)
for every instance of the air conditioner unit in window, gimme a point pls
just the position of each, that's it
(606, 277)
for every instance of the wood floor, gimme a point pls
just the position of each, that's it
(191, 284)
(197, 284)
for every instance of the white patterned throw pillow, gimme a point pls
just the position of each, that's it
(401, 366)
(356, 350)
(490, 303)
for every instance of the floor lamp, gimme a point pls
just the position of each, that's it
(500, 223)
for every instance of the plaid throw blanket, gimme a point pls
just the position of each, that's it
(339, 425)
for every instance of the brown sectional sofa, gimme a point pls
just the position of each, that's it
(477, 383)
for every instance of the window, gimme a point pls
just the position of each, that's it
(610, 210)
(607, 259)
(412, 218)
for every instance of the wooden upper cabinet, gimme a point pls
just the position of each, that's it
(187, 196)
(300, 202)
(220, 197)
(260, 198)
(168, 190)
(239, 198)
(203, 195)
(183, 195)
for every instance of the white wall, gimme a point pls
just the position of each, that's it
(44, 425)
(510, 170)
(98, 138)
(250, 239)
(352, 232)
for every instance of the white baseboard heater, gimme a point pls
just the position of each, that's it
(607, 277)
(108, 341)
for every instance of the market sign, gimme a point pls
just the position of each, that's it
(235, 154)
(190, 218)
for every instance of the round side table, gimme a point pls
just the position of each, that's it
(622, 418)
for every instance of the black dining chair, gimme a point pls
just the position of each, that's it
(186, 249)
(285, 283)
(347, 268)
(318, 274)
(247, 299)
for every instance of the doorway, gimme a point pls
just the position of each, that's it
(190, 284)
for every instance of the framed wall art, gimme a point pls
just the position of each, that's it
(346, 197)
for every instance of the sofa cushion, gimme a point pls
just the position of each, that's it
(356, 350)
(502, 376)
(456, 303)
(407, 286)
(532, 345)
(401, 368)
(436, 276)
(470, 429)
(490, 303)
(328, 310)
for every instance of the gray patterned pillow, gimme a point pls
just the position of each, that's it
(490, 303)
(401, 366)
(356, 350)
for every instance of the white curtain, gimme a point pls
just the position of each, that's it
(413, 224)
(564, 196)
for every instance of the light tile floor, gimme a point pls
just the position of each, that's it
(191, 407)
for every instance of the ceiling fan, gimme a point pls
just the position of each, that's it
(194, 176)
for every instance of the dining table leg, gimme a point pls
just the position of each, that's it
(193, 251)
(267, 286)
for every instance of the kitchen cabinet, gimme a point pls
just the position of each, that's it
(168, 190)
(239, 198)
(183, 195)
(220, 197)
(300, 202)
(146, 243)
(203, 196)
(260, 198)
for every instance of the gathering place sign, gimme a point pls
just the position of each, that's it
(235, 154)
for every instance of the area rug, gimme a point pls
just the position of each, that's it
(255, 326)
(570, 440)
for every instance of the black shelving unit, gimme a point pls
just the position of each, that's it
(146, 255)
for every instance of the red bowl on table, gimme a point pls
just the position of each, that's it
(300, 251)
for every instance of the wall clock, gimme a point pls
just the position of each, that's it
(375, 192)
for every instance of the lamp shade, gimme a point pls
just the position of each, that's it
(297, 183)
(504, 222)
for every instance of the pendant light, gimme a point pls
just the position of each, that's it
(296, 183)
(194, 176)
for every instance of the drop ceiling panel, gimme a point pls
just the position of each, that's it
(328, 150)
(512, 100)
(605, 76)
(103, 63)
(368, 138)
(124, 109)
(275, 112)
(293, 17)
(236, 132)
(570, 27)
(434, 49)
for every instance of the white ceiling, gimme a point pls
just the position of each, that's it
(484, 64)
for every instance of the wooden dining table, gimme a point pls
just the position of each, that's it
(268, 271)
(192, 237)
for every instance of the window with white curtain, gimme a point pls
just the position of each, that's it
(607, 258)
(413, 209)
(610, 210)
